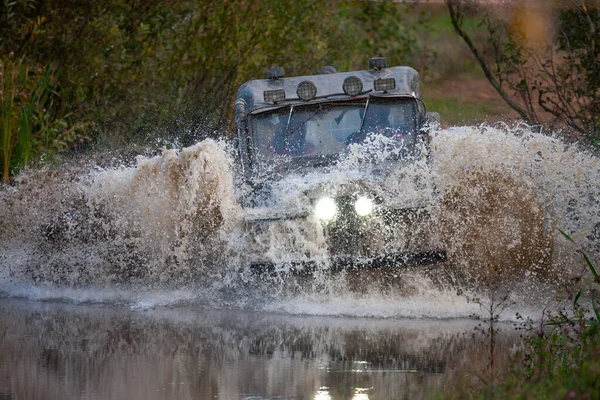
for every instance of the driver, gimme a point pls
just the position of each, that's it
(269, 130)
(290, 141)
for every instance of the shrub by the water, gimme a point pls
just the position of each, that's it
(560, 358)
(28, 126)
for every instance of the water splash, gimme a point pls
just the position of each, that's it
(160, 221)
(170, 229)
(512, 188)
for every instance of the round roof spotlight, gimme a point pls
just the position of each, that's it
(352, 86)
(306, 90)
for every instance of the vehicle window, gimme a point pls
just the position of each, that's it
(327, 129)
(268, 129)
(399, 117)
(312, 130)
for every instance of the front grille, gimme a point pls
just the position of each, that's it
(346, 234)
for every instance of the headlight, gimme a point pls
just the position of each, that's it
(363, 206)
(325, 208)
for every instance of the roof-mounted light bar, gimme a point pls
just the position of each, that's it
(352, 86)
(385, 84)
(274, 96)
(306, 90)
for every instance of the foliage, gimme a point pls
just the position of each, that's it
(561, 356)
(128, 70)
(541, 60)
(457, 111)
(27, 126)
(497, 302)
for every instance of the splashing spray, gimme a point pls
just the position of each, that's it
(171, 228)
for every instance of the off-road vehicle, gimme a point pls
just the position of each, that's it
(336, 165)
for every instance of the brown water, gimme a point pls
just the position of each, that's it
(65, 351)
(136, 279)
(494, 197)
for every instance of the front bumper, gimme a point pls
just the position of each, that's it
(389, 237)
(390, 261)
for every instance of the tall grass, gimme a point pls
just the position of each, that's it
(27, 127)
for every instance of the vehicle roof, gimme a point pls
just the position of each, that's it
(250, 96)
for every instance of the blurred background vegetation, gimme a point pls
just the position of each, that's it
(114, 72)
(78, 75)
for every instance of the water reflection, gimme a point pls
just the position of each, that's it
(59, 351)
(360, 394)
(323, 394)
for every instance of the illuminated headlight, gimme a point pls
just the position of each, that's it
(363, 206)
(325, 208)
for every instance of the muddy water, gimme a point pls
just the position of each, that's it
(62, 351)
(135, 283)
(495, 198)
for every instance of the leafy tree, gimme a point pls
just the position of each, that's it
(27, 125)
(543, 61)
(127, 70)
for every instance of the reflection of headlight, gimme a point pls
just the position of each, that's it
(363, 206)
(325, 208)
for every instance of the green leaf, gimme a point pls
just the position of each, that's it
(566, 235)
(577, 296)
(596, 311)
(589, 263)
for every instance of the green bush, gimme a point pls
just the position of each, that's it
(560, 358)
(27, 125)
(171, 69)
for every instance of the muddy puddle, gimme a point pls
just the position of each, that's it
(134, 282)
(66, 351)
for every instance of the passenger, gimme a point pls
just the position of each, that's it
(376, 123)
(388, 121)
(296, 143)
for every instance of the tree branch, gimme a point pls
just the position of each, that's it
(456, 17)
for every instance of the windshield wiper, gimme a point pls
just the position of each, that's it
(289, 131)
(362, 122)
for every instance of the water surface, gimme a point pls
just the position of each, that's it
(64, 351)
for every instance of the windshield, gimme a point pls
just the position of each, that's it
(328, 129)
